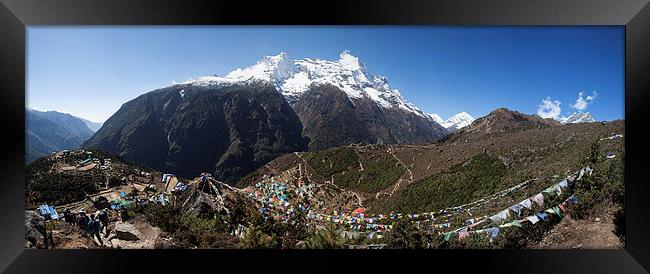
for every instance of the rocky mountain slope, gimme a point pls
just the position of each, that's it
(323, 91)
(331, 119)
(187, 129)
(49, 131)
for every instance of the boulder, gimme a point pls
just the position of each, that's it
(101, 202)
(127, 231)
(34, 230)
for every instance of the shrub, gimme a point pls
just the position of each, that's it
(198, 225)
(114, 181)
(167, 218)
(482, 175)
(406, 235)
(326, 238)
(478, 241)
(380, 173)
(606, 184)
(255, 238)
(58, 188)
(334, 160)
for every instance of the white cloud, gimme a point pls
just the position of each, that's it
(582, 103)
(549, 108)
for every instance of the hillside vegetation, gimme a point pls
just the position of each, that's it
(414, 178)
(483, 175)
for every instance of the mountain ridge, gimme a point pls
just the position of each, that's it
(294, 77)
(501, 120)
(50, 131)
(229, 130)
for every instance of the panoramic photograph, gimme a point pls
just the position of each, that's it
(347, 137)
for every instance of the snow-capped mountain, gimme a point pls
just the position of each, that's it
(242, 120)
(339, 102)
(577, 117)
(294, 77)
(456, 122)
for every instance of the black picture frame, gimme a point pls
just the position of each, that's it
(16, 15)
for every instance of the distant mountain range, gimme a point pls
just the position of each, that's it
(455, 122)
(94, 126)
(577, 117)
(51, 131)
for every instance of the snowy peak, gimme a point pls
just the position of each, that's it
(577, 117)
(436, 118)
(460, 120)
(271, 68)
(350, 62)
(456, 122)
(295, 77)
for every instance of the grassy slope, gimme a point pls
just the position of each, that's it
(379, 170)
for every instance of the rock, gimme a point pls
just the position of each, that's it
(34, 230)
(101, 202)
(597, 219)
(126, 231)
(146, 234)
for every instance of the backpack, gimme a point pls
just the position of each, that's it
(92, 226)
(103, 217)
(83, 220)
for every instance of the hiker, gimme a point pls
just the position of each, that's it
(67, 216)
(94, 226)
(90, 224)
(82, 220)
(124, 213)
(103, 218)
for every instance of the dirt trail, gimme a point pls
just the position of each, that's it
(358, 159)
(584, 234)
(397, 184)
(331, 181)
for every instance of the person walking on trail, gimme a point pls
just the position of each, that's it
(94, 227)
(90, 224)
(82, 220)
(103, 218)
(67, 216)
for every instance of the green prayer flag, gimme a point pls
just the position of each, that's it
(516, 223)
(447, 236)
(556, 210)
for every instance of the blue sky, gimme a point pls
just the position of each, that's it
(91, 71)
